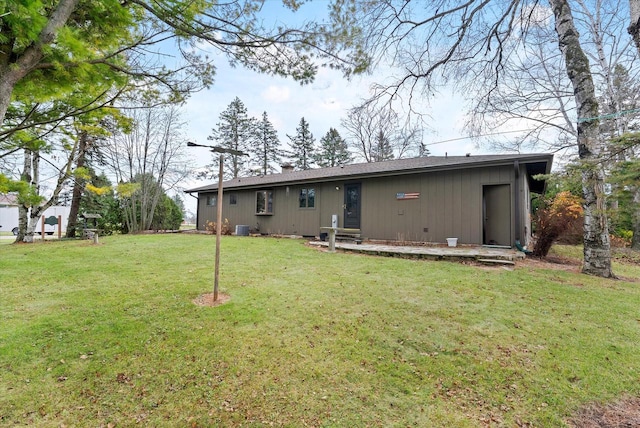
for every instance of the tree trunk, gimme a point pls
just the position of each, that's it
(635, 240)
(634, 26)
(597, 247)
(78, 187)
(23, 209)
(35, 211)
(23, 213)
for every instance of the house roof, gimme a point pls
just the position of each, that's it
(535, 164)
(8, 199)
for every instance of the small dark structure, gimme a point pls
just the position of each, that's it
(90, 226)
(481, 200)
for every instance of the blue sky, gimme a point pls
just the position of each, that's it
(323, 103)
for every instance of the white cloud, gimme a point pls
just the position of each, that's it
(276, 94)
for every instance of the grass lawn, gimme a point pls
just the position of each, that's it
(107, 335)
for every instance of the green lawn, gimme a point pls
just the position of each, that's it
(107, 335)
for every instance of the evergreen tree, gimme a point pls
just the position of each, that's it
(177, 199)
(98, 197)
(382, 150)
(302, 146)
(333, 150)
(235, 131)
(423, 151)
(168, 214)
(265, 150)
(45, 46)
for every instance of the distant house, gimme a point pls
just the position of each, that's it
(483, 199)
(9, 215)
(8, 212)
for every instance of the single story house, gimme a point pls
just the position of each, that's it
(484, 199)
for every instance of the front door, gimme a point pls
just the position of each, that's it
(497, 214)
(352, 206)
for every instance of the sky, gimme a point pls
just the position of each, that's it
(323, 103)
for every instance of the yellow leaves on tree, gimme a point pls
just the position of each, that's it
(100, 191)
(555, 217)
(126, 190)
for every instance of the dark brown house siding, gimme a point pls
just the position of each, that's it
(478, 204)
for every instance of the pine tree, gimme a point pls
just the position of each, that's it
(382, 149)
(302, 146)
(333, 150)
(423, 151)
(266, 144)
(235, 131)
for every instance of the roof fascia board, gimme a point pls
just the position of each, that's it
(547, 159)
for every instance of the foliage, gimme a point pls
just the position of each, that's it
(565, 180)
(234, 131)
(146, 158)
(212, 227)
(113, 337)
(554, 218)
(265, 144)
(333, 150)
(102, 201)
(625, 179)
(622, 238)
(45, 49)
(302, 145)
(27, 194)
(381, 150)
(167, 216)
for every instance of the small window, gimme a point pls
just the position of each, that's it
(233, 198)
(212, 200)
(307, 198)
(264, 202)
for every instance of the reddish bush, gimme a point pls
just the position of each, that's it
(555, 217)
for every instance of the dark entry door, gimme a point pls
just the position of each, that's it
(352, 205)
(496, 204)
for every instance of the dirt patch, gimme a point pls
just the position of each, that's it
(207, 299)
(624, 413)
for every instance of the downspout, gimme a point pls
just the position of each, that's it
(197, 208)
(516, 199)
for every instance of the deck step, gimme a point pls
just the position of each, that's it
(344, 238)
(496, 262)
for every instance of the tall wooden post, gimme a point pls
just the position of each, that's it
(59, 227)
(218, 230)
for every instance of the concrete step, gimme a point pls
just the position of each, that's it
(496, 262)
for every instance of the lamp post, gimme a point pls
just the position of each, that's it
(222, 151)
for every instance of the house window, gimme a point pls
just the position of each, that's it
(233, 198)
(307, 198)
(212, 200)
(264, 202)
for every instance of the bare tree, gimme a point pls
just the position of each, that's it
(534, 91)
(375, 133)
(32, 207)
(147, 159)
(469, 43)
